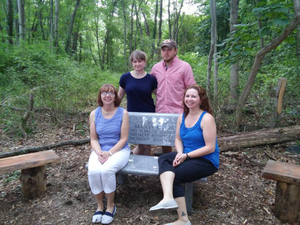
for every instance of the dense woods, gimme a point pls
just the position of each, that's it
(60, 52)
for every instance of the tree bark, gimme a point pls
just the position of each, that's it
(214, 46)
(259, 57)
(234, 70)
(51, 23)
(169, 20)
(21, 9)
(10, 21)
(260, 137)
(69, 35)
(124, 36)
(56, 23)
(154, 29)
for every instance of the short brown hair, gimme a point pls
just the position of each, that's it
(137, 54)
(107, 88)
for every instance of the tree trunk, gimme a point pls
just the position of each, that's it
(176, 21)
(21, 9)
(124, 36)
(16, 22)
(10, 21)
(169, 20)
(154, 29)
(131, 28)
(69, 35)
(260, 137)
(213, 17)
(234, 70)
(262, 42)
(41, 19)
(259, 57)
(51, 23)
(146, 24)
(56, 23)
(209, 64)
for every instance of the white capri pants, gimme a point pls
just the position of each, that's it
(102, 177)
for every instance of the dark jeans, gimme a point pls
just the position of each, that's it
(190, 170)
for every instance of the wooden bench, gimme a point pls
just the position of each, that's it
(287, 199)
(152, 129)
(32, 166)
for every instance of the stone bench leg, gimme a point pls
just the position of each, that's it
(33, 182)
(121, 178)
(189, 191)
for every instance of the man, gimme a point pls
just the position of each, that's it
(173, 76)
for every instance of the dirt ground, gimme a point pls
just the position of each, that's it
(236, 194)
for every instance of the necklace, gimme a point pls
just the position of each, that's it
(108, 111)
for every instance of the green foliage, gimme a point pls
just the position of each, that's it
(59, 84)
(12, 176)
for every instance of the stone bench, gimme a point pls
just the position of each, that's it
(287, 199)
(32, 166)
(152, 129)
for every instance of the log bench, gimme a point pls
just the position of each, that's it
(152, 129)
(287, 199)
(32, 166)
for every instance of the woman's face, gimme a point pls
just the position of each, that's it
(108, 96)
(192, 98)
(138, 64)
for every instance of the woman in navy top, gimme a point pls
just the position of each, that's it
(197, 153)
(138, 85)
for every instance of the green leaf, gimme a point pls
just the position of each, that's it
(280, 22)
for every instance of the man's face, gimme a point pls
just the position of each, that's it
(168, 54)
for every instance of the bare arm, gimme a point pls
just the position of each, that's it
(121, 92)
(178, 142)
(180, 157)
(94, 137)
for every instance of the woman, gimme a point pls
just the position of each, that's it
(138, 85)
(197, 153)
(109, 127)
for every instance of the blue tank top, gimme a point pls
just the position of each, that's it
(192, 139)
(109, 130)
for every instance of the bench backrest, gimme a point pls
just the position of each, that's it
(152, 128)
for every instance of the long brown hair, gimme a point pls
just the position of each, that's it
(205, 105)
(107, 88)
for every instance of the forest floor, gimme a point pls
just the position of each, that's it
(236, 194)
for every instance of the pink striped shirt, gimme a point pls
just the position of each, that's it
(171, 83)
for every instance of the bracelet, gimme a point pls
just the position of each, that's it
(110, 153)
(187, 156)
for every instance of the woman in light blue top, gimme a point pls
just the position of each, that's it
(197, 153)
(109, 128)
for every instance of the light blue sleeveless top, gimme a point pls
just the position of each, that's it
(192, 139)
(109, 130)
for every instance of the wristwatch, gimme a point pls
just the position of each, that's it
(110, 153)
(187, 156)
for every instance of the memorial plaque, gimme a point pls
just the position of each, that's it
(149, 128)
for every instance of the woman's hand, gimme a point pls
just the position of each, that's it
(103, 156)
(180, 158)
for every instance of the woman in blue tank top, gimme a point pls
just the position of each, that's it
(109, 128)
(197, 153)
